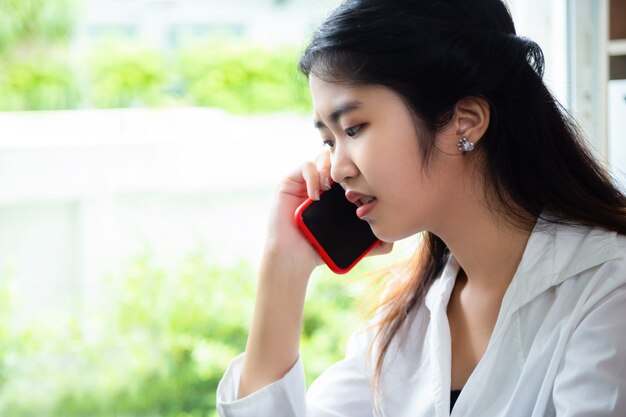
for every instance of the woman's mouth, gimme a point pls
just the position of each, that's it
(364, 203)
(364, 206)
(365, 200)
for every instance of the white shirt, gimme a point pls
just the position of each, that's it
(558, 347)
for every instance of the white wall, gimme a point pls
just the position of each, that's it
(545, 22)
(82, 192)
(40, 252)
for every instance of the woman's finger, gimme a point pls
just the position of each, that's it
(312, 179)
(323, 168)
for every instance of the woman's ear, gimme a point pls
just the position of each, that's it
(469, 121)
(471, 118)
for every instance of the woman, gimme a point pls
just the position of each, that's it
(437, 120)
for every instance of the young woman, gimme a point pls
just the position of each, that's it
(438, 122)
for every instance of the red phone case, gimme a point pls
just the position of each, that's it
(318, 247)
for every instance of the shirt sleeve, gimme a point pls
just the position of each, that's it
(343, 390)
(284, 397)
(592, 379)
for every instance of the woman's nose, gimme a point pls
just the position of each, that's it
(342, 167)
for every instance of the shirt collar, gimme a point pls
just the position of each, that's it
(554, 253)
(441, 288)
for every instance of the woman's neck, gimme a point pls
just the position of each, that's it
(488, 247)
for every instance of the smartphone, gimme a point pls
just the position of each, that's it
(334, 230)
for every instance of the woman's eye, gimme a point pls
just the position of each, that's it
(352, 131)
(329, 143)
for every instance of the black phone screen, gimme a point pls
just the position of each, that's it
(333, 221)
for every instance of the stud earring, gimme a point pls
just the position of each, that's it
(465, 145)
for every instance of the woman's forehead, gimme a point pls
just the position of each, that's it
(328, 95)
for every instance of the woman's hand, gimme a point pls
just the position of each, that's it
(274, 339)
(283, 237)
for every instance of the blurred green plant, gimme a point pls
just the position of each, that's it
(162, 344)
(228, 74)
(37, 72)
(243, 78)
(25, 24)
(35, 69)
(38, 82)
(124, 73)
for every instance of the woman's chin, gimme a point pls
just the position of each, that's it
(387, 235)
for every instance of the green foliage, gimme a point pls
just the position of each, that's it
(36, 74)
(28, 22)
(161, 345)
(243, 78)
(231, 75)
(37, 82)
(126, 74)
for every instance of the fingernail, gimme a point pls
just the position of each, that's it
(316, 195)
(327, 183)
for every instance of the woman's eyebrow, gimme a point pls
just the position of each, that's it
(339, 111)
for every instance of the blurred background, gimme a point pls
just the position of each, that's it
(140, 145)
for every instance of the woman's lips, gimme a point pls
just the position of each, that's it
(365, 208)
(364, 202)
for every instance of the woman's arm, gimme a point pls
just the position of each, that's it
(287, 262)
(274, 338)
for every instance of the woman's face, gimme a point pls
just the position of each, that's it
(376, 157)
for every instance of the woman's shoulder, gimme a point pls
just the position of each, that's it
(591, 259)
(572, 245)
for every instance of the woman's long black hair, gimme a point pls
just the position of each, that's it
(434, 53)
